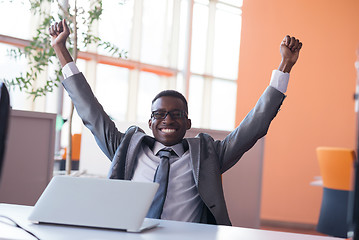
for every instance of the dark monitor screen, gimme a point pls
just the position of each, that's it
(4, 117)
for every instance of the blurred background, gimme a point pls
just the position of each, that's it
(219, 54)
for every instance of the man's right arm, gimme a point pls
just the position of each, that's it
(89, 109)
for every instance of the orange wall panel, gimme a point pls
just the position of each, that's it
(319, 109)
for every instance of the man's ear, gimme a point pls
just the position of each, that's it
(189, 124)
(150, 123)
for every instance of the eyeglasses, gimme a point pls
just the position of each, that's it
(176, 114)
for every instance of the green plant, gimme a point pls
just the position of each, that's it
(40, 54)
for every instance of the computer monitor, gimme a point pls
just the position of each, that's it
(4, 118)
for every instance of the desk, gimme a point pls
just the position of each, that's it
(172, 230)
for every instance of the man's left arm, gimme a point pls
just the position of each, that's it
(255, 125)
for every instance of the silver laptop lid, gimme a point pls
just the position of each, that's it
(94, 202)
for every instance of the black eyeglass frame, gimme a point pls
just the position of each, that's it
(163, 114)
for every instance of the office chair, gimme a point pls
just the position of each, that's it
(336, 168)
(4, 118)
(75, 156)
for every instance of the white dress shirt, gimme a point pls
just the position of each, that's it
(183, 202)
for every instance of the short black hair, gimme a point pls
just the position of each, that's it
(172, 93)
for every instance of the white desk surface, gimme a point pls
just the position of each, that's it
(167, 230)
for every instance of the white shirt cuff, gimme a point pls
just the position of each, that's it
(70, 69)
(279, 80)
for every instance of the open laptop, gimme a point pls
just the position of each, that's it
(96, 202)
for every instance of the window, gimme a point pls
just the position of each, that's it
(188, 45)
(195, 107)
(199, 38)
(18, 12)
(112, 81)
(215, 57)
(9, 69)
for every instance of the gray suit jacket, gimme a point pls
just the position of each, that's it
(209, 158)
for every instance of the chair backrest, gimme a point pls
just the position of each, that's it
(76, 148)
(4, 118)
(336, 167)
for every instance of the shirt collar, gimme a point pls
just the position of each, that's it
(178, 148)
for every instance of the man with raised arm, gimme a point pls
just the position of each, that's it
(188, 169)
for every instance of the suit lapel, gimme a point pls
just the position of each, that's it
(194, 150)
(133, 149)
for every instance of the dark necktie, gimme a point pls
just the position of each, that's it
(161, 177)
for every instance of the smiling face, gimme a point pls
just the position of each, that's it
(169, 131)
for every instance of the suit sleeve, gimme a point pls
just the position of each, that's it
(92, 114)
(253, 127)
